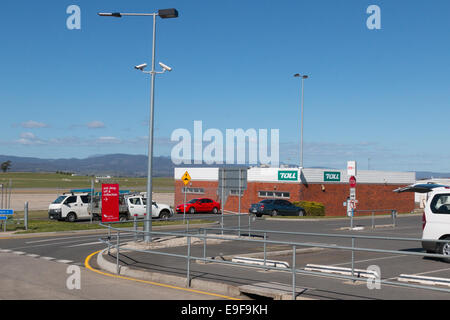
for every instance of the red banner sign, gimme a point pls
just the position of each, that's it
(110, 202)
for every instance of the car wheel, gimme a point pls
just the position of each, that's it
(301, 213)
(71, 217)
(274, 213)
(215, 210)
(444, 249)
(123, 218)
(259, 215)
(164, 215)
(192, 210)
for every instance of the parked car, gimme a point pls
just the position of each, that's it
(435, 218)
(275, 207)
(199, 205)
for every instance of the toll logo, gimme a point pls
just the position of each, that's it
(288, 175)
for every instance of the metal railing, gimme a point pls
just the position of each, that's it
(393, 214)
(203, 234)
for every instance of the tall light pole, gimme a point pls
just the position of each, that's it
(303, 77)
(164, 14)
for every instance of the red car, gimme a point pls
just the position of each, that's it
(199, 205)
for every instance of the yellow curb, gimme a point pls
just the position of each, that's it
(88, 266)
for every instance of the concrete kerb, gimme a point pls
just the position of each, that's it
(198, 284)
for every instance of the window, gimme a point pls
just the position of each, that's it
(135, 201)
(274, 194)
(192, 190)
(235, 192)
(72, 199)
(85, 199)
(441, 204)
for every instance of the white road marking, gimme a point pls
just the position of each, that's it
(32, 255)
(368, 260)
(84, 244)
(55, 239)
(48, 258)
(64, 261)
(434, 271)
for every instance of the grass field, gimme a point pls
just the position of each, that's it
(31, 180)
(39, 222)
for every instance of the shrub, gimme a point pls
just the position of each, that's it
(315, 209)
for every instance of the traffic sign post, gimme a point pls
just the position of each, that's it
(186, 179)
(4, 215)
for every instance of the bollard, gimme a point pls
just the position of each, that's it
(135, 227)
(373, 220)
(117, 257)
(293, 272)
(265, 252)
(353, 258)
(394, 216)
(204, 245)
(188, 276)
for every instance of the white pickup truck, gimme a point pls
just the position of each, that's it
(134, 205)
(137, 206)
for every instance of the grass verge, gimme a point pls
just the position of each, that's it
(39, 222)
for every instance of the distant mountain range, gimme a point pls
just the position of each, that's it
(120, 165)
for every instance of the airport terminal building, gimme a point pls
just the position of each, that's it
(374, 189)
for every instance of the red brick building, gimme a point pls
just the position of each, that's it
(374, 189)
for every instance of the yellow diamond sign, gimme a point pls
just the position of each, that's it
(186, 178)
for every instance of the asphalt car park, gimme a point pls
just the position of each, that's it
(76, 247)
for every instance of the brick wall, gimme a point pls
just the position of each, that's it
(370, 196)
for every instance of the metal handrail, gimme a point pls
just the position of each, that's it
(294, 270)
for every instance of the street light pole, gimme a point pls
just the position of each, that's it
(164, 14)
(301, 130)
(149, 207)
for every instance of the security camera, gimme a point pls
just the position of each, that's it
(165, 67)
(141, 67)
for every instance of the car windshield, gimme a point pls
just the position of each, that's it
(266, 201)
(59, 199)
(193, 201)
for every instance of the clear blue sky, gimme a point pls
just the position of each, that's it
(378, 94)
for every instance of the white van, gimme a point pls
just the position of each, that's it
(70, 207)
(435, 218)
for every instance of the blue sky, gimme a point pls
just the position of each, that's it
(382, 95)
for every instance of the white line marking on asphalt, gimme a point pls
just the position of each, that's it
(48, 258)
(434, 271)
(84, 244)
(64, 261)
(368, 260)
(19, 252)
(102, 235)
(66, 238)
(32, 255)
(5, 250)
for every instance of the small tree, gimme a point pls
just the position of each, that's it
(5, 166)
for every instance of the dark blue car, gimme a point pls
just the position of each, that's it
(275, 207)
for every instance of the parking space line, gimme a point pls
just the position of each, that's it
(434, 271)
(368, 260)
